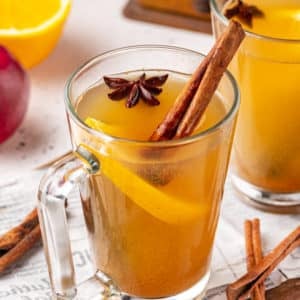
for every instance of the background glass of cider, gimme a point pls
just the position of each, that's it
(151, 208)
(266, 149)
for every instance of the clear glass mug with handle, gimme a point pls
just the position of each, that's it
(148, 240)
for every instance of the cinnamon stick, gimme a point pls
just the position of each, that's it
(249, 245)
(259, 292)
(189, 106)
(253, 252)
(167, 128)
(17, 241)
(11, 238)
(20, 249)
(241, 288)
(196, 95)
(227, 46)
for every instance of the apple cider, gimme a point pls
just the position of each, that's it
(267, 147)
(152, 216)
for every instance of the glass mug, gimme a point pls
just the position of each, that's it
(147, 240)
(266, 150)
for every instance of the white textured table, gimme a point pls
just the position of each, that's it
(93, 27)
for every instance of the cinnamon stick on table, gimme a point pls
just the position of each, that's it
(11, 238)
(241, 288)
(253, 253)
(17, 241)
(20, 249)
(250, 253)
(258, 254)
(191, 103)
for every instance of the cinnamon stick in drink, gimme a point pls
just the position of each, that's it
(167, 128)
(226, 47)
(191, 103)
(189, 106)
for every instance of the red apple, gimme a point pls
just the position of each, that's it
(14, 94)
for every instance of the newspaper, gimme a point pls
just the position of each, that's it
(29, 280)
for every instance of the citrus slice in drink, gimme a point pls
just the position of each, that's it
(163, 206)
(103, 127)
(30, 28)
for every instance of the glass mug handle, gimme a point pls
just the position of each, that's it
(54, 189)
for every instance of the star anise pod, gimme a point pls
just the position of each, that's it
(134, 90)
(243, 11)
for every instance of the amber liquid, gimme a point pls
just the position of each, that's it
(154, 238)
(267, 147)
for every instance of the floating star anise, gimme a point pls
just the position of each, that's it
(243, 11)
(134, 90)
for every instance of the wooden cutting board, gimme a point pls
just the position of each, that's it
(134, 10)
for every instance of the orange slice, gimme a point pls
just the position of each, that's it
(30, 28)
(159, 204)
(103, 127)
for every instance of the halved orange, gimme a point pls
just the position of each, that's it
(31, 28)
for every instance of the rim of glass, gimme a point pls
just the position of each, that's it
(225, 21)
(189, 139)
